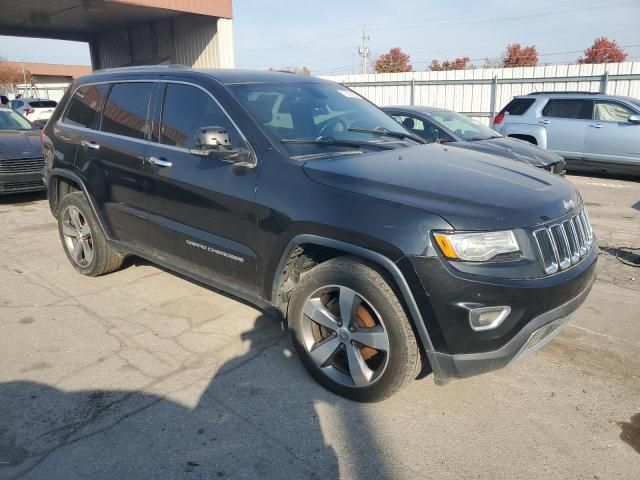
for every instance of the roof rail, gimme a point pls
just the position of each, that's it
(575, 92)
(134, 68)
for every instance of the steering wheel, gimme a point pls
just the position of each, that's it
(332, 127)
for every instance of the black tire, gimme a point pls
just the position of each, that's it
(403, 356)
(104, 258)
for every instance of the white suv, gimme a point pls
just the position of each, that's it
(590, 130)
(36, 110)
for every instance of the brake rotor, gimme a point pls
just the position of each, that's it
(367, 321)
(363, 319)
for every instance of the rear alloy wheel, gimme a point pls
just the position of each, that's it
(77, 236)
(84, 243)
(351, 331)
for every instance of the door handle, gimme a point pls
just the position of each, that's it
(596, 125)
(544, 122)
(90, 145)
(160, 162)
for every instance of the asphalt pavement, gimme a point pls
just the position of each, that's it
(143, 374)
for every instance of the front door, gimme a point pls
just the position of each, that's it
(201, 209)
(565, 121)
(612, 138)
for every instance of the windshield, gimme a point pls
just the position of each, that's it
(635, 101)
(292, 113)
(10, 120)
(463, 126)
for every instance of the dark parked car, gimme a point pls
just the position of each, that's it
(445, 126)
(300, 196)
(21, 161)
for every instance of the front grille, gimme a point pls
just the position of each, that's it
(565, 243)
(10, 187)
(21, 165)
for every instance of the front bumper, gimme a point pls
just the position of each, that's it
(539, 308)
(535, 335)
(21, 182)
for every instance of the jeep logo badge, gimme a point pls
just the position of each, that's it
(568, 204)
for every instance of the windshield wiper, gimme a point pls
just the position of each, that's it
(337, 143)
(389, 133)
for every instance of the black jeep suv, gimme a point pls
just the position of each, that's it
(384, 254)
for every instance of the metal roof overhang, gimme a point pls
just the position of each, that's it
(81, 19)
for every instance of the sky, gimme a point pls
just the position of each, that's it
(324, 35)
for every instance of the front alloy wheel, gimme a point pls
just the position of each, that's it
(345, 336)
(351, 331)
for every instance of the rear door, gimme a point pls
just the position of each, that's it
(112, 160)
(565, 121)
(611, 137)
(201, 210)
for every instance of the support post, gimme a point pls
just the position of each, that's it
(604, 82)
(413, 91)
(494, 91)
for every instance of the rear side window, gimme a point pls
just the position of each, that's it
(16, 104)
(85, 106)
(187, 109)
(43, 104)
(517, 106)
(568, 108)
(125, 112)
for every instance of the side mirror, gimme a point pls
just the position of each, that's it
(634, 119)
(214, 142)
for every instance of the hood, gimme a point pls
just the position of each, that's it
(471, 190)
(16, 144)
(513, 149)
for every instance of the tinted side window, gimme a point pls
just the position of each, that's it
(186, 109)
(125, 112)
(85, 106)
(43, 104)
(517, 106)
(567, 108)
(16, 104)
(611, 112)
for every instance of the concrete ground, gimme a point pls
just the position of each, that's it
(143, 374)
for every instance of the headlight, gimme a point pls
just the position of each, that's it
(476, 247)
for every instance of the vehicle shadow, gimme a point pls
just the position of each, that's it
(259, 416)
(23, 198)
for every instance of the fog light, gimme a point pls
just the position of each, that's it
(487, 318)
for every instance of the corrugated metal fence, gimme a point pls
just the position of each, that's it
(481, 92)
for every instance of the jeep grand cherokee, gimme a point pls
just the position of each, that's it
(297, 194)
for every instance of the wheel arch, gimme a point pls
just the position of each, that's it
(344, 248)
(60, 182)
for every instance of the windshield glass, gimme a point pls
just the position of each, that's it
(10, 120)
(308, 111)
(635, 101)
(463, 126)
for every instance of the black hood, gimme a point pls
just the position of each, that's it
(513, 149)
(471, 190)
(20, 144)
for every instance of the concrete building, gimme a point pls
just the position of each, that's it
(130, 32)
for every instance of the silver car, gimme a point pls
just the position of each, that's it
(590, 130)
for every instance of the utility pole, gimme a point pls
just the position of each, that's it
(24, 76)
(364, 49)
